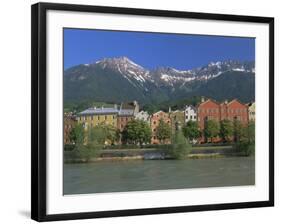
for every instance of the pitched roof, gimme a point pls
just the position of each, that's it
(97, 111)
(208, 100)
(236, 101)
(126, 112)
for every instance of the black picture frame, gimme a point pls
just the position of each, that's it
(39, 122)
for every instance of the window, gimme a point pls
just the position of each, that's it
(105, 117)
(194, 116)
(98, 117)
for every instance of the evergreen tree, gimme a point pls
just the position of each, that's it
(180, 148)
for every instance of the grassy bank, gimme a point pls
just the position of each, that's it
(197, 152)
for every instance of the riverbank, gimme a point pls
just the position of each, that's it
(197, 152)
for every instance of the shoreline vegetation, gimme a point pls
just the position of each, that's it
(206, 151)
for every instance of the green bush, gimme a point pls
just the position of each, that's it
(82, 153)
(68, 147)
(245, 148)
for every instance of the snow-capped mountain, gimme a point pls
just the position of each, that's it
(126, 78)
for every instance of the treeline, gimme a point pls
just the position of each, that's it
(87, 144)
(243, 136)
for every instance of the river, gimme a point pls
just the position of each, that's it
(141, 175)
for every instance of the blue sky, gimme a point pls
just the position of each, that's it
(152, 50)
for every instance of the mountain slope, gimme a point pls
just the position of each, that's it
(120, 79)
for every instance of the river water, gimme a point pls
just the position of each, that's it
(141, 175)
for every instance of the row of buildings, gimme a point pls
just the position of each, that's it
(120, 116)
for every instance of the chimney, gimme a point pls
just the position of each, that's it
(170, 110)
(226, 101)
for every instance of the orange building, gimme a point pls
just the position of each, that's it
(154, 122)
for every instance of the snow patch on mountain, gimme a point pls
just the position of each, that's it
(139, 76)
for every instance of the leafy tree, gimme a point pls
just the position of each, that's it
(102, 133)
(136, 132)
(246, 143)
(211, 129)
(191, 130)
(77, 135)
(251, 132)
(96, 135)
(180, 148)
(239, 130)
(226, 130)
(163, 131)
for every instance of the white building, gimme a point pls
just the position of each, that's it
(143, 116)
(190, 113)
(252, 111)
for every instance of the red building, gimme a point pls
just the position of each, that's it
(207, 110)
(235, 110)
(212, 110)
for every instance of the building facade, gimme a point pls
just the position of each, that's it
(190, 113)
(235, 110)
(126, 113)
(154, 122)
(207, 110)
(212, 110)
(124, 116)
(96, 116)
(252, 111)
(143, 116)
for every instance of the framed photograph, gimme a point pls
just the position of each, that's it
(139, 111)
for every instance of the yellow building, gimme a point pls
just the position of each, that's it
(95, 116)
